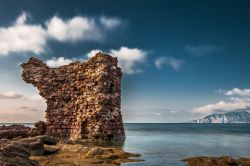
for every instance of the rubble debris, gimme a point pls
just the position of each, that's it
(22, 131)
(13, 131)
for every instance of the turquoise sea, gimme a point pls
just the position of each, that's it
(166, 144)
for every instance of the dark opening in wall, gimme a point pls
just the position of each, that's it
(112, 120)
(111, 88)
(110, 136)
(84, 131)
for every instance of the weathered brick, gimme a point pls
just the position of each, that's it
(83, 98)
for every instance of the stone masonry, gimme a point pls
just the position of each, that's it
(83, 98)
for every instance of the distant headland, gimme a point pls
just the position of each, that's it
(229, 117)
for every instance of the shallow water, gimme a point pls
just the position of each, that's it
(167, 144)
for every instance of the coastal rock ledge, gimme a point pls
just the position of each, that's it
(50, 151)
(217, 161)
(83, 98)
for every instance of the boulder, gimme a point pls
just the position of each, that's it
(17, 152)
(39, 129)
(14, 154)
(36, 144)
(33, 144)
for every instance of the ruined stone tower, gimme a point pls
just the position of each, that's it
(83, 98)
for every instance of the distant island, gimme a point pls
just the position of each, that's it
(230, 117)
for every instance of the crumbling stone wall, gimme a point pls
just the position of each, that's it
(83, 98)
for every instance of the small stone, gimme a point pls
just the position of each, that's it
(93, 152)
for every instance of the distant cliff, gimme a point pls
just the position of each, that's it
(230, 117)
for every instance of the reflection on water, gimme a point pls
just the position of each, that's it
(167, 144)
(119, 143)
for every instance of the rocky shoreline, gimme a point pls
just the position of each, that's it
(21, 145)
(18, 150)
(217, 161)
(17, 130)
(80, 155)
(22, 148)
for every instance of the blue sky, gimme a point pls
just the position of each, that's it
(181, 59)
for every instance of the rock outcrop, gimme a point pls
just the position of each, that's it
(39, 129)
(82, 155)
(83, 98)
(17, 152)
(18, 130)
(47, 150)
(230, 117)
(13, 131)
(217, 161)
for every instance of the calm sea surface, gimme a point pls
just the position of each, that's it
(166, 144)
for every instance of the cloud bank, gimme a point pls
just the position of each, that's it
(24, 37)
(128, 59)
(72, 30)
(239, 92)
(239, 100)
(10, 95)
(23, 109)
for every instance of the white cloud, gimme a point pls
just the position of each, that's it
(92, 53)
(110, 22)
(223, 106)
(36, 98)
(56, 62)
(21, 19)
(75, 29)
(200, 49)
(238, 100)
(172, 62)
(237, 91)
(128, 58)
(10, 95)
(23, 37)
